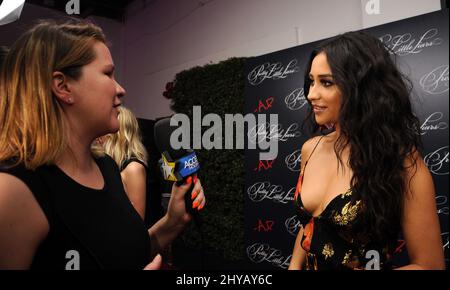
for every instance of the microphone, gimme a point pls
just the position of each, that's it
(175, 164)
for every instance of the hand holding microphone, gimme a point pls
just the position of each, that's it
(180, 166)
(186, 201)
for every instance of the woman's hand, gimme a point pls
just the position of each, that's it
(163, 232)
(177, 210)
(155, 264)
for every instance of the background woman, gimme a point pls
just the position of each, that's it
(127, 150)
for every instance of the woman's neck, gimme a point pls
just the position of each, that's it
(337, 129)
(333, 137)
(77, 157)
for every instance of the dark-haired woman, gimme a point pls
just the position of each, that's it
(364, 183)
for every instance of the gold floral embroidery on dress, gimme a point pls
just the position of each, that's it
(348, 214)
(347, 193)
(351, 261)
(347, 257)
(328, 251)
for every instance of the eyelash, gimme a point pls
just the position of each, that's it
(110, 73)
(325, 83)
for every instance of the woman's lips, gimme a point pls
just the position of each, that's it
(319, 109)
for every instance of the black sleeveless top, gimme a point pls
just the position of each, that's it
(328, 239)
(132, 159)
(101, 225)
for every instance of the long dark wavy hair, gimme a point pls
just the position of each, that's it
(378, 125)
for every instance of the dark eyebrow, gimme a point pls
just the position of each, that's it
(322, 76)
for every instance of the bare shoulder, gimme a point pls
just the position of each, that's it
(23, 225)
(419, 179)
(308, 146)
(134, 168)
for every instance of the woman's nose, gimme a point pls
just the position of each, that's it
(120, 91)
(313, 94)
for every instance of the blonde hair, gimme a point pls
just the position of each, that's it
(126, 143)
(32, 128)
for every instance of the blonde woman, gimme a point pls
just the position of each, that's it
(127, 150)
(61, 207)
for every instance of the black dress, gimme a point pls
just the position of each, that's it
(101, 225)
(328, 239)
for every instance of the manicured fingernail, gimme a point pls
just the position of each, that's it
(189, 180)
(194, 195)
(195, 204)
(200, 207)
(195, 179)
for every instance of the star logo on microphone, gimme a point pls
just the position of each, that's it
(168, 168)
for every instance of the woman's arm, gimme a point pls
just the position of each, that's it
(23, 225)
(299, 254)
(134, 178)
(163, 232)
(420, 220)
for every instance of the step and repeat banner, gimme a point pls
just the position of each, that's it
(274, 85)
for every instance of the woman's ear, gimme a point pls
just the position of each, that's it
(61, 88)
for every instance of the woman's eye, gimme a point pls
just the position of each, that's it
(326, 83)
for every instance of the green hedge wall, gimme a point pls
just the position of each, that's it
(217, 88)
